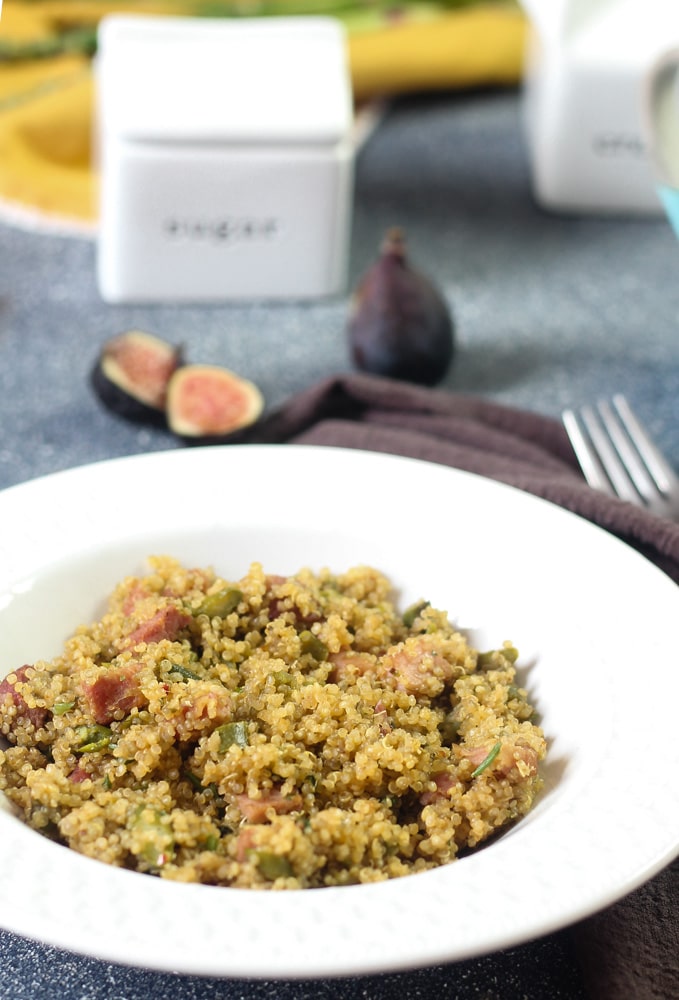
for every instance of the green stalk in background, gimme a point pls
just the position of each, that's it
(355, 14)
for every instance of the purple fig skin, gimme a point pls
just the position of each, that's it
(400, 325)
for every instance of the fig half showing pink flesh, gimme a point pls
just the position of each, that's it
(132, 373)
(206, 403)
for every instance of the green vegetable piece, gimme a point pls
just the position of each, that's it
(61, 707)
(487, 761)
(283, 677)
(487, 659)
(311, 644)
(153, 836)
(221, 604)
(92, 739)
(413, 612)
(232, 733)
(272, 866)
(184, 672)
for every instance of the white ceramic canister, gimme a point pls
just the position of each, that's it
(583, 95)
(225, 158)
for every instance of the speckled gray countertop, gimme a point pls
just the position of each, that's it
(550, 312)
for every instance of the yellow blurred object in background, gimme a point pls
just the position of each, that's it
(473, 46)
(46, 87)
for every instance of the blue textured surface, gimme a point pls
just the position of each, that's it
(551, 312)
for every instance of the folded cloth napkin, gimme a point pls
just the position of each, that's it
(47, 176)
(518, 447)
(631, 950)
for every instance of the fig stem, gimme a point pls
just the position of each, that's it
(394, 243)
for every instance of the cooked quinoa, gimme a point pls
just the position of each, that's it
(274, 732)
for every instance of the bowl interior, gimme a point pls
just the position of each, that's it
(73, 590)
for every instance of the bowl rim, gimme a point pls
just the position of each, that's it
(284, 935)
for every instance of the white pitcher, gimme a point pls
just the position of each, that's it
(662, 130)
(586, 65)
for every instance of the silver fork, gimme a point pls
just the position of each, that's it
(618, 456)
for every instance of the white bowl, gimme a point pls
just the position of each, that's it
(593, 620)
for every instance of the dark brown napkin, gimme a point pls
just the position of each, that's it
(631, 950)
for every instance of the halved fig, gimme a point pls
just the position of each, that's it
(132, 373)
(207, 403)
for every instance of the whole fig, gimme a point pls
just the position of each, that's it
(400, 324)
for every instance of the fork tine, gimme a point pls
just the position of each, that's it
(587, 459)
(630, 454)
(598, 428)
(618, 456)
(658, 467)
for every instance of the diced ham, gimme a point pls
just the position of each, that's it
(114, 694)
(517, 762)
(137, 592)
(348, 664)
(166, 623)
(444, 783)
(9, 695)
(78, 775)
(476, 755)
(205, 711)
(416, 667)
(513, 760)
(255, 810)
(276, 607)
